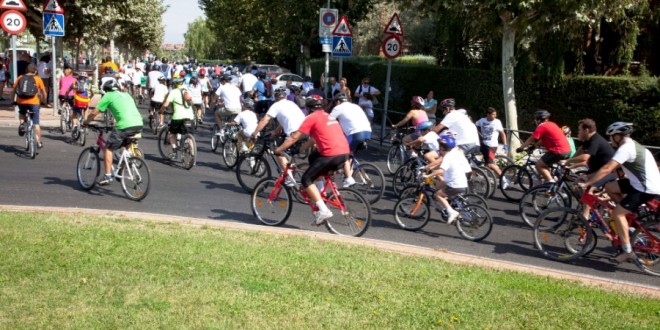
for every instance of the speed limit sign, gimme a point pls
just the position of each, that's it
(13, 22)
(391, 47)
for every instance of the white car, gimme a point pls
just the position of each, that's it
(283, 78)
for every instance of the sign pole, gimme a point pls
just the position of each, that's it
(53, 78)
(386, 101)
(341, 68)
(14, 70)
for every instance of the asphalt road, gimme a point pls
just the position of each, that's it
(210, 191)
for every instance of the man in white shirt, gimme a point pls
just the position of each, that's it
(467, 137)
(247, 83)
(152, 78)
(491, 128)
(230, 97)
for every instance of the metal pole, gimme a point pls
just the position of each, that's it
(53, 77)
(327, 68)
(112, 48)
(14, 70)
(341, 68)
(386, 101)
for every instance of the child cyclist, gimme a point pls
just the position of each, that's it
(248, 121)
(82, 94)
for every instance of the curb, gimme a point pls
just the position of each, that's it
(405, 249)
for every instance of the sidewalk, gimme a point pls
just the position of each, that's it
(9, 118)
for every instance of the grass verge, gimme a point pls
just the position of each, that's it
(75, 271)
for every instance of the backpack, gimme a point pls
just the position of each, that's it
(269, 89)
(165, 69)
(82, 86)
(186, 98)
(27, 87)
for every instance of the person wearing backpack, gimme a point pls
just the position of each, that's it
(262, 93)
(29, 89)
(81, 96)
(181, 101)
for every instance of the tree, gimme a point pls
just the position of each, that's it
(200, 41)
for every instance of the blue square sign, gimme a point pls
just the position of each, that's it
(342, 46)
(53, 24)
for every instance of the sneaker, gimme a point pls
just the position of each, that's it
(40, 145)
(624, 257)
(452, 215)
(320, 217)
(289, 182)
(348, 182)
(252, 163)
(107, 179)
(172, 155)
(21, 129)
(505, 183)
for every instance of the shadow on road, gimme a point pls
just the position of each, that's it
(223, 214)
(224, 186)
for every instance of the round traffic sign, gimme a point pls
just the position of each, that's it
(391, 47)
(13, 22)
(329, 19)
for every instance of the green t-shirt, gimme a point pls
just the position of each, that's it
(572, 143)
(175, 98)
(122, 107)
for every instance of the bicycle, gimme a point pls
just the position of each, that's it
(154, 117)
(408, 172)
(564, 234)
(369, 179)
(476, 161)
(30, 138)
(132, 170)
(230, 148)
(520, 178)
(412, 212)
(66, 122)
(549, 195)
(397, 154)
(271, 204)
(185, 150)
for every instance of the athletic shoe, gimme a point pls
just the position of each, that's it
(40, 145)
(320, 217)
(505, 183)
(107, 179)
(624, 257)
(348, 182)
(452, 215)
(289, 182)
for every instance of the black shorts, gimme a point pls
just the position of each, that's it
(319, 165)
(178, 126)
(117, 136)
(551, 158)
(156, 105)
(634, 198)
(67, 99)
(489, 153)
(205, 94)
(261, 107)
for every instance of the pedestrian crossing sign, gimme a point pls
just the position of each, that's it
(342, 46)
(53, 24)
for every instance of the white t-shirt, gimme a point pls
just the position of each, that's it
(490, 131)
(351, 118)
(160, 92)
(248, 81)
(204, 83)
(153, 78)
(288, 114)
(466, 131)
(431, 141)
(643, 166)
(196, 93)
(140, 65)
(455, 165)
(248, 120)
(230, 95)
(137, 77)
(365, 89)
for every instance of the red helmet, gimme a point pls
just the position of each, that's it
(417, 100)
(202, 71)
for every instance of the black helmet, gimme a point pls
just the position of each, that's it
(341, 96)
(108, 69)
(261, 75)
(448, 103)
(280, 92)
(226, 77)
(294, 88)
(248, 104)
(110, 85)
(162, 78)
(541, 114)
(164, 60)
(314, 102)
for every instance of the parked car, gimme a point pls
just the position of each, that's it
(283, 78)
(272, 70)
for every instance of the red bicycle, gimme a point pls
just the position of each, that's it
(564, 234)
(272, 204)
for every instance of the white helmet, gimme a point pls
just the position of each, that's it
(620, 127)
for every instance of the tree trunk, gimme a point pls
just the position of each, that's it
(308, 67)
(508, 65)
(78, 41)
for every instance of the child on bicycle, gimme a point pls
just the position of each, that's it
(81, 97)
(247, 119)
(452, 174)
(427, 139)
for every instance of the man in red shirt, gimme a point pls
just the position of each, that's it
(553, 140)
(332, 151)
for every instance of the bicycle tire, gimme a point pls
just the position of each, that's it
(539, 198)
(230, 153)
(403, 176)
(297, 175)
(82, 137)
(369, 181)
(271, 210)
(215, 139)
(164, 147)
(63, 121)
(135, 179)
(395, 158)
(188, 151)
(478, 182)
(474, 222)
(409, 220)
(356, 217)
(476, 199)
(503, 161)
(32, 144)
(520, 180)
(137, 152)
(248, 174)
(493, 180)
(644, 247)
(88, 168)
(562, 234)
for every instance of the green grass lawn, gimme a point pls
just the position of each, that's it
(74, 271)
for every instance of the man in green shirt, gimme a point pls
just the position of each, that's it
(183, 111)
(128, 122)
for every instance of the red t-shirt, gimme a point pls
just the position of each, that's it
(552, 138)
(327, 133)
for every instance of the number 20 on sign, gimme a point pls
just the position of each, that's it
(391, 47)
(13, 22)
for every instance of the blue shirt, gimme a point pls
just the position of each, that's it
(260, 87)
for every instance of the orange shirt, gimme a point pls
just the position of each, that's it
(35, 99)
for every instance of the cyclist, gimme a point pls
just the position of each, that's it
(81, 97)
(205, 83)
(65, 92)
(229, 96)
(261, 93)
(160, 93)
(152, 78)
(108, 75)
(489, 127)
(553, 140)
(467, 136)
(428, 139)
(418, 116)
(195, 89)
(30, 102)
(641, 184)
(288, 115)
(182, 112)
(356, 127)
(128, 122)
(568, 133)
(332, 152)
(452, 174)
(247, 119)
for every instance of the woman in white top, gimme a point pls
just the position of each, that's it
(195, 89)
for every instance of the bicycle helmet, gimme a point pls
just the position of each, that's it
(280, 92)
(567, 130)
(447, 141)
(261, 75)
(314, 102)
(424, 126)
(202, 72)
(541, 114)
(620, 127)
(248, 104)
(110, 85)
(82, 75)
(449, 133)
(226, 77)
(341, 96)
(448, 103)
(108, 69)
(162, 78)
(417, 100)
(178, 81)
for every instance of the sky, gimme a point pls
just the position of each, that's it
(177, 17)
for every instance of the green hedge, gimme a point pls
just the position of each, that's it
(604, 99)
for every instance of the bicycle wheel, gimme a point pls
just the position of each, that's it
(369, 181)
(493, 180)
(164, 146)
(518, 181)
(135, 179)
(474, 222)
(215, 138)
(562, 234)
(645, 245)
(539, 199)
(297, 175)
(250, 169)
(230, 153)
(395, 158)
(355, 217)
(63, 121)
(188, 151)
(503, 161)
(403, 176)
(271, 203)
(82, 136)
(412, 213)
(88, 168)
(32, 142)
(475, 199)
(478, 183)
(137, 152)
